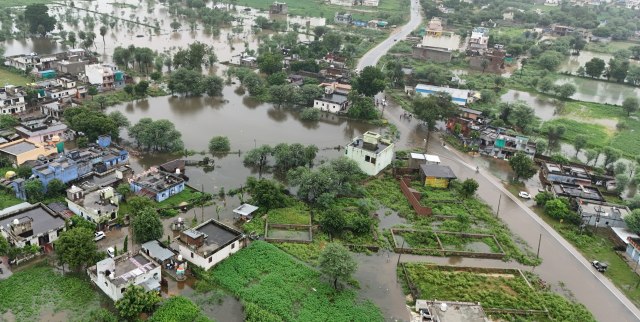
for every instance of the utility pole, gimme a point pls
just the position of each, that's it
(539, 241)
(498, 211)
(202, 202)
(401, 250)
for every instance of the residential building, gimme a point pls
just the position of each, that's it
(12, 100)
(27, 225)
(446, 311)
(157, 185)
(491, 60)
(436, 54)
(369, 3)
(633, 249)
(73, 66)
(372, 153)
(98, 206)
(436, 175)
(602, 213)
(479, 39)
(497, 143)
(573, 191)
(343, 18)
(245, 211)
(157, 252)
(249, 61)
(556, 173)
(435, 28)
(458, 96)
(41, 130)
(417, 159)
(209, 243)
(32, 61)
(54, 109)
(279, 8)
(335, 60)
(114, 275)
(561, 30)
(20, 151)
(104, 76)
(332, 102)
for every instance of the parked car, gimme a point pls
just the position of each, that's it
(524, 194)
(111, 252)
(600, 266)
(99, 235)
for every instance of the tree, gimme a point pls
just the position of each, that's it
(336, 262)
(554, 134)
(332, 41)
(266, 194)
(72, 39)
(8, 121)
(468, 188)
(310, 114)
(311, 184)
(618, 69)
(91, 122)
(633, 221)
(522, 116)
(433, 108)
(24, 171)
(318, 31)
(119, 119)
(34, 190)
(129, 89)
(630, 105)
(141, 88)
(139, 204)
(175, 25)
(213, 85)
(591, 155)
(611, 155)
(93, 91)
(103, 32)
(522, 166)
(333, 221)
(101, 100)
(4, 246)
(580, 142)
(557, 209)
(125, 244)
(270, 63)
(622, 180)
(123, 189)
(542, 198)
(370, 81)
(550, 60)
(545, 85)
(283, 94)
(147, 226)
(37, 16)
(76, 248)
(55, 188)
(159, 135)
(565, 91)
(362, 107)
(594, 67)
(178, 308)
(219, 144)
(258, 158)
(136, 300)
(541, 146)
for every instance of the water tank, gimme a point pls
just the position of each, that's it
(443, 307)
(16, 221)
(179, 258)
(9, 174)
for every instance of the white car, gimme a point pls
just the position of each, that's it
(99, 235)
(111, 252)
(524, 194)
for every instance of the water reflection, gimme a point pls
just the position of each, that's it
(590, 90)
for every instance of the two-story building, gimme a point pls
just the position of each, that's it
(98, 206)
(104, 76)
(157, 185)
(479, 39)
(20, 151)
(27, 225)
(12, 100)
(497, 143)
(41, 130)
(114, 275)
(209, 243)
(372, 153)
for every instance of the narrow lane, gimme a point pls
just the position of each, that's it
(561, 261)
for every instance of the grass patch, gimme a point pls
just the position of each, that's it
(297, 215)
(593, 110)
(273, 286)
(628, 140)
(26, 293)
(504, 291)
(187, 195)
(597, 135)
(8, 199)
(610, 47)
(11, 78)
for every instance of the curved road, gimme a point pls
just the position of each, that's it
(561, 261)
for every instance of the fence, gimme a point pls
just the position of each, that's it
(442, 250)
(413, 199)
(294, 227)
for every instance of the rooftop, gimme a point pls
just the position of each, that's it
(94, 201)
(334, 98)
(442, 311)
(44, 219)
(458, 96)
(438, 171)
(606, 210)
(157, 181)
(157, 251)
(127, 267)
(18, 147)
(427, 157)
(245, 209)
(216, 235)
(578, 191)
(360, 144)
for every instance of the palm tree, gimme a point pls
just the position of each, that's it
(103, 31)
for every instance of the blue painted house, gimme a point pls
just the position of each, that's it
(156, 184)
(458, 96)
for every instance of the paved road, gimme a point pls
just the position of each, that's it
(373, 55)
(561, 261)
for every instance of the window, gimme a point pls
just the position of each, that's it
(210, 259)
(373, 160)
(191, 254)
(233, 245)
(367, 158)
(121, 290)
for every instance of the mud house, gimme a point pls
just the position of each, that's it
(114, 275)
(372, 153)
(208, 243)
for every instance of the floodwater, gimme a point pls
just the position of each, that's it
(590, 90)
(572, 63)
(544, 108)
(227, 42)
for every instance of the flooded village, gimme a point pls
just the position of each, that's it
(378, 160)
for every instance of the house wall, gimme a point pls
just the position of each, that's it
(431, 54)
(164, 195)
(34, 240)
(212, 260)
(363, 159)
(327, 106)
(436, 182)
(89, 214)
(633, 253)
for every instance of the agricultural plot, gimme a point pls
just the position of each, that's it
(446, 243)
(289, 224)
(273, 286)
(504, 293)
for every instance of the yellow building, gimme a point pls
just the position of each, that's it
(436, 175)
(20, 151)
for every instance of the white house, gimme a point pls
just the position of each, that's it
(104, 76)
(11, 100)
(209, 243)
(372, 153)
(335, 98)
(458, 96)
(26, 225)
(114, 275)
(96, 206)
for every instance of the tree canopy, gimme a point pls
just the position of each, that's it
(159, 135)
(76, 248)
(147, 226)
(337, 263)
(370, 81)
(92, 123)
(219, 144)
(136, 300)
(522, 166)
(37, 16)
